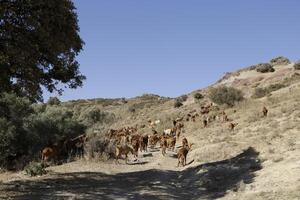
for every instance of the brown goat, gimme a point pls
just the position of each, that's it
(163, 145)
(265, 111)
(205, 122)
(231, 126)
(49, 153)
(178, 134)
(182, 154)
(193, 118)
(180, 125)
(124, 150)
(184, 142)
(135, 145)
(144, 143)
(171, 141)
(225, 118)
(153, 139)
(174, 122)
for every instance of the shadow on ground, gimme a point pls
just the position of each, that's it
(207, 181)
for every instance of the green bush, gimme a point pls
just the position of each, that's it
(252, 67)
(280, 61)
(225, 95)
(26, 128)
(91, 115)
(261, 92)
(182, 98)
(149, 97)
(177, 104)
(53, 101)
(99, 146)
(15, 141)
(137, 106)
(35, 169)
(274, 87)
(297, 65)
(264, 68)
(131, 109)
(198, 96)
(51, 125)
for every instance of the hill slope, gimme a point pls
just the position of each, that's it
(258, 160)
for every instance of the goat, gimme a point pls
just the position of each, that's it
(171, 141)
(232, 126)
(193, 118)
(225, 118)
(49, 153)
(178, 127)
(184, 142)
(163, 145)
(124, 150)
(153, 139)
(265, 111)
(156, 122)
(205, 122)
(135, 145)
(182, 154)
(168, 131)
(174, 122)
(144, 143)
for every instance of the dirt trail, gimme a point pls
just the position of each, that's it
(153, 177)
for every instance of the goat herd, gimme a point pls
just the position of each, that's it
(127, 140)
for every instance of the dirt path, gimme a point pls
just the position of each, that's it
(155, 177)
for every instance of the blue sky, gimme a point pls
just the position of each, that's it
(172, 47)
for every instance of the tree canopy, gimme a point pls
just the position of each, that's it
(39, 42)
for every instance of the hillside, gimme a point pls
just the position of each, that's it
(259, 159)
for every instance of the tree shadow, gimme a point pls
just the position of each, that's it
(206, 181)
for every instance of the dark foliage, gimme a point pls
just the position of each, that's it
(264, 68)
(225, 95)
(39, 42)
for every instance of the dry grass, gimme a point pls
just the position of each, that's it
(275, 137)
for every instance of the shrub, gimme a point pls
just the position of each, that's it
(26, 128)
(198, 96)
(131, 109)
(92, 115)
(123, 100)
(295, 76)
(280, 61)
(177, 104)
(264, 68)
(274, 87)
(259, 93)
(53, 101)
(14, 139)
(99, 146)
(182, 98)
(252, 67)
(137, 106)
(297, 65)
(225, 95)
(52, 125)
(35, 169)
(149, 97)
